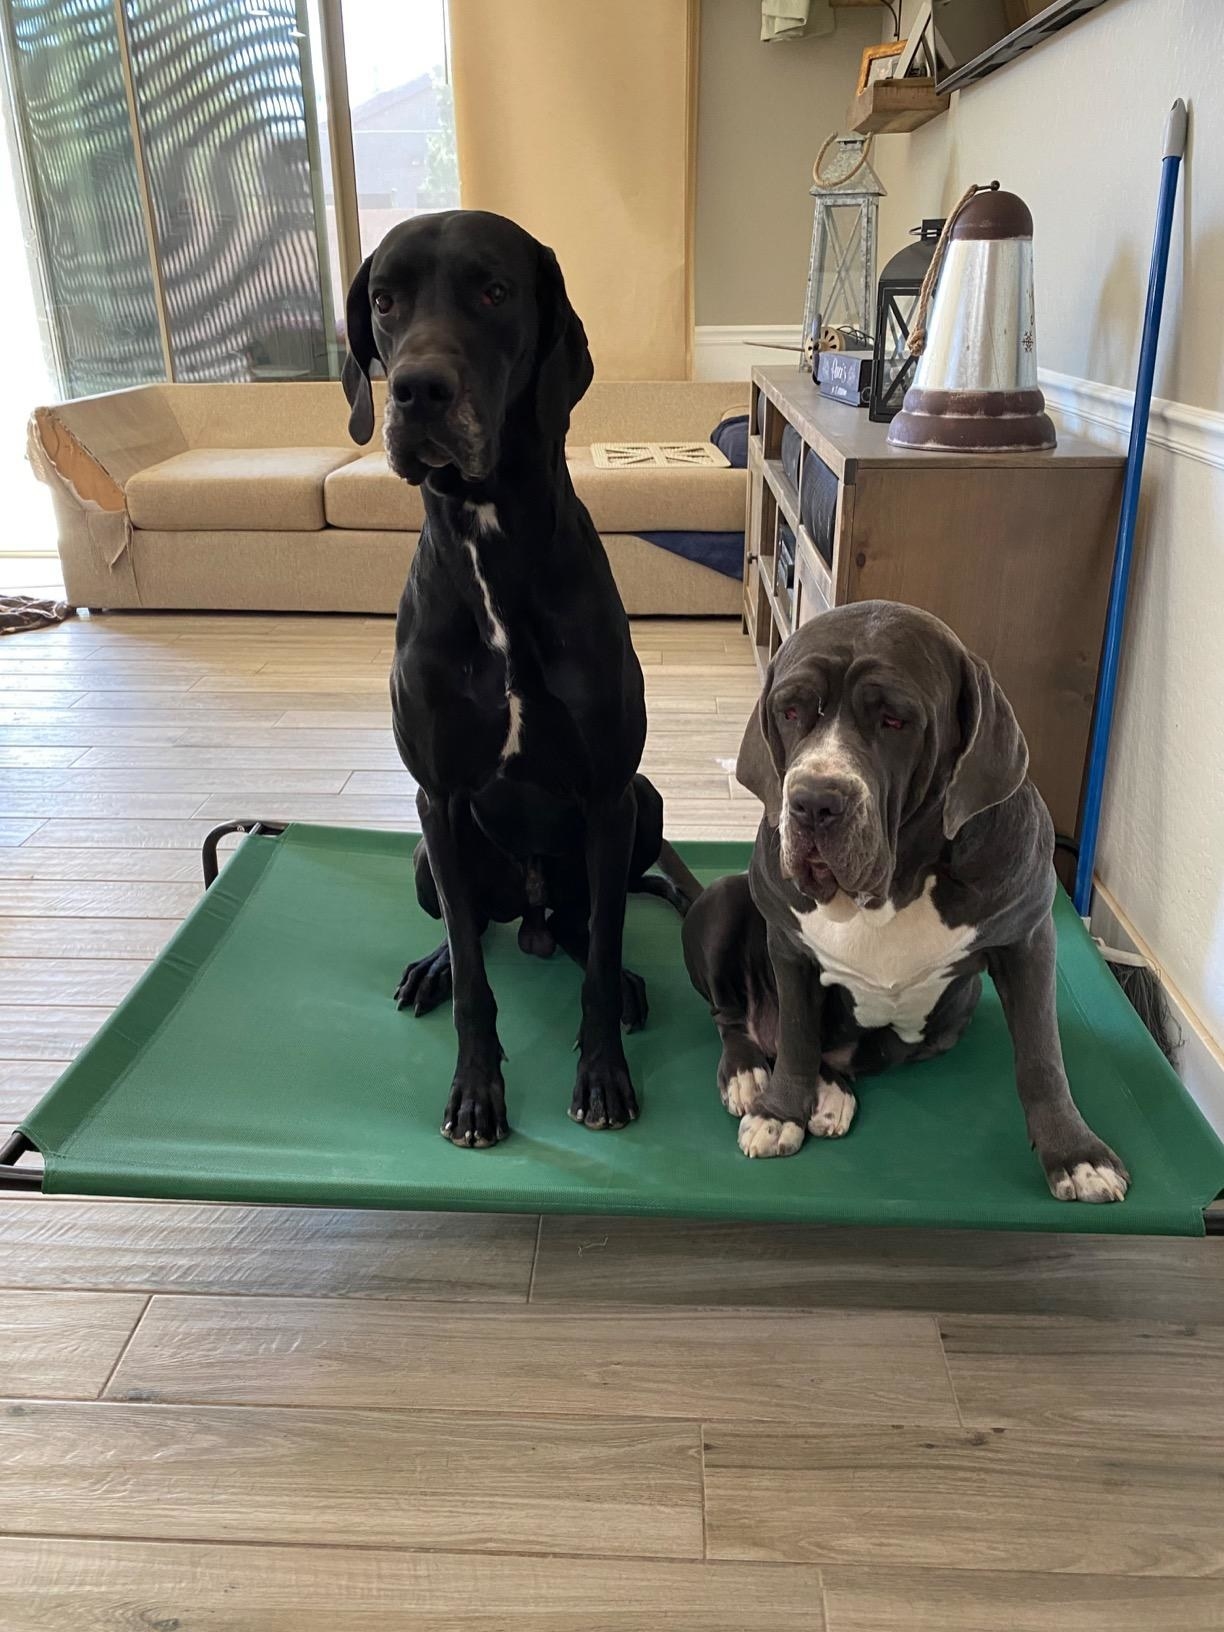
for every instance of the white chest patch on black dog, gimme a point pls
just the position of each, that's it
(484, 518)
(895, 965)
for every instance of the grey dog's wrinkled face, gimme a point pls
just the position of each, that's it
(469, 316)
(872, 714)
(854, 733)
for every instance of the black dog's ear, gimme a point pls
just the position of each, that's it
(757, 767)
(993, 760)
(355, 375)
(563, 360)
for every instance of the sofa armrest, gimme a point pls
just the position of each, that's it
(95, 444)
(86, 451)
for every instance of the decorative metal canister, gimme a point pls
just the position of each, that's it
(975, 388)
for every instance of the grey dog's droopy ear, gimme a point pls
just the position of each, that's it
(355, 375)
(993, 759)
(756, 768)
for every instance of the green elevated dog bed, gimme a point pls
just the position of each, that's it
(261, 1059)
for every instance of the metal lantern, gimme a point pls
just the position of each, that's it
(900, 285)
(841, 268)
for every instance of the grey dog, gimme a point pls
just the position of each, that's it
(903, 851)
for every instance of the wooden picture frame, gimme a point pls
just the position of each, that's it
(878, 62)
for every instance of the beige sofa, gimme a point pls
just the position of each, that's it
(252, 497)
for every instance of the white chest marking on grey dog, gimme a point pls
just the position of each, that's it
(485, 518)
(895, 965)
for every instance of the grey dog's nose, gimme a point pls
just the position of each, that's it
(424, 388)
(819, 803)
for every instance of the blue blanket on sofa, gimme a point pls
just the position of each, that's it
(724, 552)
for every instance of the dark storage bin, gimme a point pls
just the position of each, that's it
(818, 505)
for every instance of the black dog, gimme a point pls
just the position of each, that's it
(517, 699)
(903, 851)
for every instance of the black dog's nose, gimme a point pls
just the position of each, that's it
(424, 388)
(817, 804)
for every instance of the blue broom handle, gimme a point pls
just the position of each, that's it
(1111, 655)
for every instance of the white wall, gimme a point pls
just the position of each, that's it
(1075, 128)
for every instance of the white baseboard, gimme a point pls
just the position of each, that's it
(732, 351)
(1103, 412)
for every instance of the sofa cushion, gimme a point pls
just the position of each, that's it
(367, 493)
(658, 498)
(232, 489)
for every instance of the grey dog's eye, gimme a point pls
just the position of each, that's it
(382, 303)
(790, 713)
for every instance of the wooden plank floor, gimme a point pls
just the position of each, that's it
(268, 1420)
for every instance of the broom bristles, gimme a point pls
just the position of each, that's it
(1148, 1000)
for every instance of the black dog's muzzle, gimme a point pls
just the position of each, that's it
(431, 422)
(423, 392)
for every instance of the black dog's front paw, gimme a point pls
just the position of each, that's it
(425, 983)
(603, 1094)
(476, 1110)
(634, 1007)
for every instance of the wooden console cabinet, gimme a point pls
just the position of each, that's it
(1012, 550)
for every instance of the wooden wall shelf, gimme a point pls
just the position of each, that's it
(895, 105)
(1012, 550)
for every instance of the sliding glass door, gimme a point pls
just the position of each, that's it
(174, 186)
(220, 98)
(69, 118)
(202, 177)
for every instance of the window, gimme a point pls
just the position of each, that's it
(166, 154)
(403, 126)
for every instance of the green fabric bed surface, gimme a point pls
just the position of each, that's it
(262, 1059)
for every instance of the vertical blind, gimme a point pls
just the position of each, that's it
(222, 114)
(80, 164)
(200, 187)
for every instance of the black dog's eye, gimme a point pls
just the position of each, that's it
(890, 722)
(493, 294)
(383, 303)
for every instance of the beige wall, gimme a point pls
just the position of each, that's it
(1075, 128)
(762, 113)
(576, 121)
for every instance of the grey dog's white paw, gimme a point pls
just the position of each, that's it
(1089, 1181)
(767, 1136)
(740, 1093)
(833, 1112)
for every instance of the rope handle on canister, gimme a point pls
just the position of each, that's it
(917, 339)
